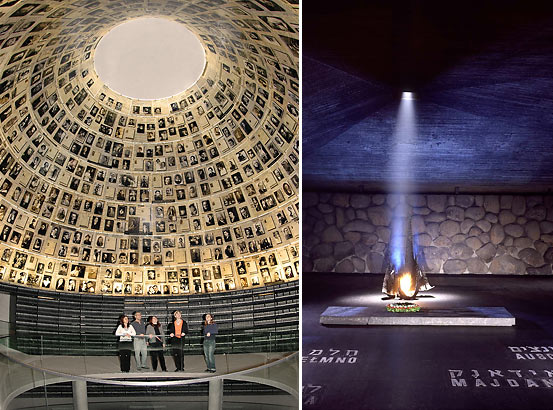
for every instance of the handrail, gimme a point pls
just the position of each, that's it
(111, 380)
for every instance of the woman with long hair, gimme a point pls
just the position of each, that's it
(125, 333)
(178, 328)
(209, 331)
(156, 342)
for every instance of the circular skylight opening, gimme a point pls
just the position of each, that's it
(149, 58)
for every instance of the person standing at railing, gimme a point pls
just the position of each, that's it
(209, 331)
(125, 333)
(156, 342)
(139, 342)
(178, 328)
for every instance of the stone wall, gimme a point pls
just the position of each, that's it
(498, 234)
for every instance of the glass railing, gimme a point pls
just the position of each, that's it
(90, 344)
(41, 372)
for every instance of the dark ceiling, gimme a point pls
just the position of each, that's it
(482, 72)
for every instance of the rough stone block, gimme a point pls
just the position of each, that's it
(433, 229)
(506, 217)
(341, 200)
(358, 225)
(476, 265)
(442, 242)
(538, 213)
(350, 214)
(329, 219)
(383, 234)
(311, 240)
(346, 266)
(506, 201)
(435, 217)
(455, 213)
(548, 255)
(375, 262)
(466, 225)
(516, 231)
(421, 211)
(546, 227)
(353, 237)
(325, 208)
(321, 251)
(522, 243)
(532, 229)
(531, 257)
(343, 250)
(423, 239)
(437, 203)
(484, 237)
(542, 270)
(519, 205)
(379, 215)
(464, 201)
(475, 213)
(459, 238)
(309, 199)
(324, 196)
(506, 264)
(362, 250)
(474, 243)
(484, 225)
(492, 218)
(417, 224)
(497, 234)
(455, 266)
(533, 200)
(378, 247)
(358, 264)
(324, 264)
(416, 200)
(450, 228)
(379, 199)
(491, 203)
(369, 238)
(393, 200)
(540, 246)
(486, 252)
(460, 251)
(332, 234)
(319, 226)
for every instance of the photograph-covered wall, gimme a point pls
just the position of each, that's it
(101, 193)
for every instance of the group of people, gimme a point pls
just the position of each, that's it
(140, 337)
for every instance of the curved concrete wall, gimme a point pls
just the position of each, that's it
(497, 234)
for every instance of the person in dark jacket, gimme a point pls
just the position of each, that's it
(209, 331)
(177, 329)
(156, 342)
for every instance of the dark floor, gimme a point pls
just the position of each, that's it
(415, 367)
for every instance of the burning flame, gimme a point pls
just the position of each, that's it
(405, 284)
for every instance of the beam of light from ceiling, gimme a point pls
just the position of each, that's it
(401, 177)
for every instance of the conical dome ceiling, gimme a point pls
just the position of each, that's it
(102, 193)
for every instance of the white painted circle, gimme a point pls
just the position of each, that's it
(149, 58)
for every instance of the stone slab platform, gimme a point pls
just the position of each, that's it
(466, 316)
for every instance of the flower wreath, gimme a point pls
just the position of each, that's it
(403, 307)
